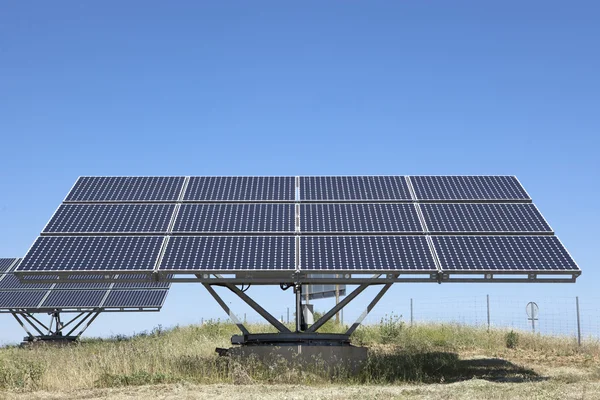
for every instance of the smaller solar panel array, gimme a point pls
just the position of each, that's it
(314, 223)
(35, 297)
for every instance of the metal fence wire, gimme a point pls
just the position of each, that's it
(556, 316)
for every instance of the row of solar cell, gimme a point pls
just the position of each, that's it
(312, 188)
(315, 218)
(8, 281)
(73, 299)
(249, 253)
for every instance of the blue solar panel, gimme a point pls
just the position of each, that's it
(353, 188)
(92, 253)
(126, 188)
(235, 218)
(357, 217)
(142, 284)
(489, 217)
(16, 299)
(502, 253)
(455, 188)
(6, 263)
(11, 282)
(116, 218)
(370, 253)
(228, 253)
(240, 188)
(74, 299)
(135, 298)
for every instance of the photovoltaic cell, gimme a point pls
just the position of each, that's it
(454, 188)
(126, 188)
(227, 253)
(484, 217)
(6, 263)
(92, 253)
(235, 218)
(353, 188)
(114, 218)
(74, 298)
(372, 253)
(135, 298)
(239, 188)
(16, 299)
(359, 218)
(502, 253)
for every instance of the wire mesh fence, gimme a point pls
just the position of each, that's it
(556, 316)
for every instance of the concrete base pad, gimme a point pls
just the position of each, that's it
(324, 358)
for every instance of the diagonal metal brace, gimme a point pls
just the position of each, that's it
(14, 314)
(368, 309)
(256, 307)
(230, 313)
(339, 306)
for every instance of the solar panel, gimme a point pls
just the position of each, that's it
(92, 253)
(74, 299)
(371, 253)
(353, 188)
(488, 217)
(455, 188)
(16, 299)
(9, 281)
(142, 282)
(80, 285)
(126, 188)
(229, 253)
(359, 217)
(117, 218)
(6, 263)
(135, 298)
(502, 253)
(240, 188)
(229, 218)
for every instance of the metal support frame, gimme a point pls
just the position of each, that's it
(301, 334)
(55, 330)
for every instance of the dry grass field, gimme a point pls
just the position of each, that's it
(423, 361)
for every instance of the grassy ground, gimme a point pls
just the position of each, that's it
(424, 361)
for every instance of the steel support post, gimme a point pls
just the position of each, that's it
(87, 315)
(230, 313)
(321, 321)
(89, 323)
(28, 318)
(298, 292)
(22, 325)
(256, 307)
(368, 309)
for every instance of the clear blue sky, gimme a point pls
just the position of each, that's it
(266, 88)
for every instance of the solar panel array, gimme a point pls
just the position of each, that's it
(404, 224)
(36, 297)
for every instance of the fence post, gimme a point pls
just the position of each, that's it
(578, 321)
(488, 310)
(411, 312)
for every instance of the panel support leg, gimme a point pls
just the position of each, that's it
(256, 307)
(85, 318)
(368, 309)
(230, 313)
(321, 321)
(23, 325)
(298, 292)
(95, 315)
